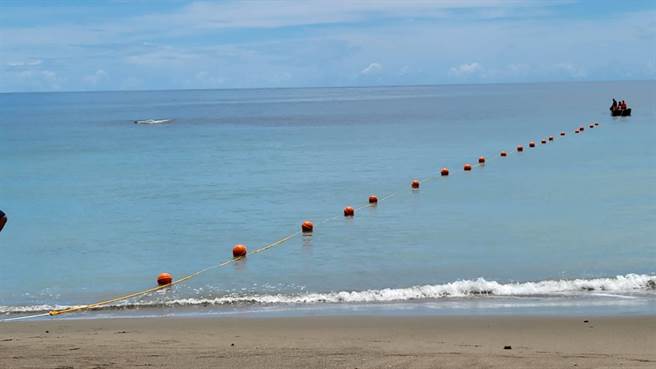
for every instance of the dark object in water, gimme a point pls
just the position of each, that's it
(3, 220)
(621, 113)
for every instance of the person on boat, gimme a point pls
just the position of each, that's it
(623, 105)
(614, 106)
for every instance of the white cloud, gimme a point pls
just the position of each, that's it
(285, 13)
(26, 63)
(466, 69)
(207, 80)
(206, 16)
(161, 56)
(174, 49)
(95, 78)
(518, 68)
(572, 70)
(372, 69)
(40, 80)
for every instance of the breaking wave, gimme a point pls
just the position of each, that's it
(607, 287)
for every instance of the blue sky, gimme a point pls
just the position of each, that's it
(169, 44)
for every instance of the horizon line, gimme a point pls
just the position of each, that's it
(328, 87)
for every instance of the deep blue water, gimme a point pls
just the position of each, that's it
(98, 206)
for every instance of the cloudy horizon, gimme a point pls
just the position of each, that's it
(172, 44)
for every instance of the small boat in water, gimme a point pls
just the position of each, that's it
(153, 121)
(621, 112)
(620, 109)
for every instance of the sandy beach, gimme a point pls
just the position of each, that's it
(332, 342)
(193, 184)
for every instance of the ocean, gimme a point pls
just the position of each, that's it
(98, 206)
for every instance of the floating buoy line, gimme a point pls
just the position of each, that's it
(239, 252)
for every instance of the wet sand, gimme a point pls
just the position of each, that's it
(332, 342)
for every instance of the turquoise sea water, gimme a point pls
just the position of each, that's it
(98, 206)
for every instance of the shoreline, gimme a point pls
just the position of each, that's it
(607, 305)
(628, 294)
(332, 342)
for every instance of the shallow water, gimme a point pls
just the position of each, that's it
(98, 206)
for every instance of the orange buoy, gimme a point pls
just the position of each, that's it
(307, 227)
(3, 219)
(349, 211)
(373, 199)
(562, 133)
(503, 153)
(239, 251)
(551, 138)
(481, 160)
(467, 167)
(543, 142)
(164, 278)
(520, 148)
(414, 184)
(531, 144)
(444, 171)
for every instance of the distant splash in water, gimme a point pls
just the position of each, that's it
(479, 288)
(153, 121)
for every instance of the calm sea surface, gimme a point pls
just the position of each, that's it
(98, 206)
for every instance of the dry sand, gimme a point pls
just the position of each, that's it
(332, 342)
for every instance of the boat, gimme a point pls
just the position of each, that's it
(621, 113)
(153, 121)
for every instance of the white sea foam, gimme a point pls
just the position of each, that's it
(464, 288)
(27, 309)
(607, 287)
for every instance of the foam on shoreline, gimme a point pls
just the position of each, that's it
(612, 287)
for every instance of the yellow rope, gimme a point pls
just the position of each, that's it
(187, 277)
(281, 241)
(176, 282)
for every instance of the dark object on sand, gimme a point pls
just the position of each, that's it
(3, 220)
(507, 347)
(621, 113)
